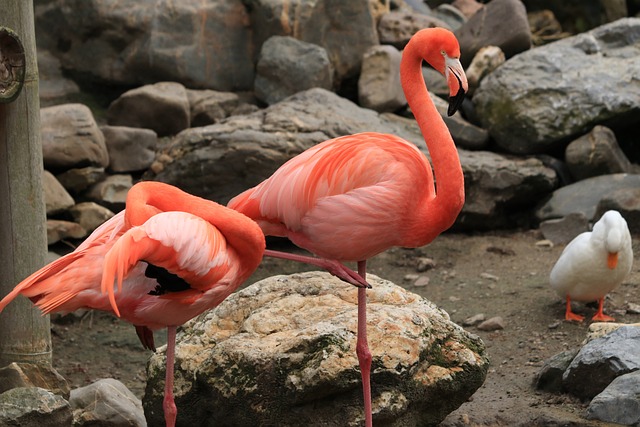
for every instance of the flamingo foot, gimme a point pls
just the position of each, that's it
(334, 267)
(570, 315)
(169, 404)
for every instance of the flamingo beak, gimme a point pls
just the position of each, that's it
(612, 260)
(457, 80)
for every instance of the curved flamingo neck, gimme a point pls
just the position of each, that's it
(148, 198)
(440, 212)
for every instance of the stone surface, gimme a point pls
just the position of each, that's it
(90, 215)
(56, 198)
(71, 138)
(601, 360)
(107, 403)
(485, 61)
(627, 202)
(33, 407)
(17, 375)
(77, 180)
(287, 66)
(549, 377)
(379, 86)
(396, 27)
(282, 351)
(112, 192)
(162, 107)
(542, 98)
(210, 106)
(130, 149)
(53, 87)
(61, 230)
(561, 231)
(618, 403)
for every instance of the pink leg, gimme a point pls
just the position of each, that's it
(362, 347)
(169, 406)
(332, 266)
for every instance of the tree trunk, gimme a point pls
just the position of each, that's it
(24, 333)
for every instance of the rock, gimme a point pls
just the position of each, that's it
(474, 320)
(33, 407)
(464, 134)
(162, 107)
(601, 360)
(396, 27)
(549, 377)
(424, 264)
(71, 138)
(17, 375)
(287, 66)
(79, 179)
(627, 202)
(130, 149)
(201, 44)
(112, 192)
(56, 198)
(450, 15)
(106, 402)
(467, 7)
(210, 106)
(282, 352)
(584, 196)
(535, 101)
(501, 23)
(379, 85)
(61, 230)
(596, 153)
(492, 324)
(90, 215)
(618, 403)
(53, 87)
(343, 35)
(545, 27)
(580, 16)
(600, 329)
(561, 231)
(421, 281)
(483, 63)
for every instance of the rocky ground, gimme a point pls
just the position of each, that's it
(498, 274)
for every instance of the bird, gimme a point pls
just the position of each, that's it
(593, 264)
(167, 257)
(350, 198)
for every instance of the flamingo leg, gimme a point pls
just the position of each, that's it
(600, 316)
(169, 405)
(570, 315)
(362, 347)
(332, 266)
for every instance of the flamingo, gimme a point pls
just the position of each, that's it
(593, 264)
(350, 198)
(171, 255)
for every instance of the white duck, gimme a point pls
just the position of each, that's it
(593, 264)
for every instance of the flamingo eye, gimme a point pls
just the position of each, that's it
(443, 52)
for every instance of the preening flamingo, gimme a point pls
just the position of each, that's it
(593, 264)
(171, 255)
(352, 197)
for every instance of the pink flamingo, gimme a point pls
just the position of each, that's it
(350, 198)
(171, 255)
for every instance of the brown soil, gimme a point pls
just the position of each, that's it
(498, 274)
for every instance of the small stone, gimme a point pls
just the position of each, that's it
(411, 277)
(489, 276)
(474, 320)
(425, 264)
(421, 281)
(492, 324)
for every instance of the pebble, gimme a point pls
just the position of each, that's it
(492, 324)
(421, 281)
(474, 320)
(425, 264)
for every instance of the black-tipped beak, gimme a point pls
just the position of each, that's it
(456, 101)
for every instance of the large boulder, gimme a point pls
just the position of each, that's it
(282, 352)
(541, 98)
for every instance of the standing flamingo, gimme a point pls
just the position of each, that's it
(172, 256)
(352, 197)
(593, 264)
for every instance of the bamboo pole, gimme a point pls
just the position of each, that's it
(24, 333)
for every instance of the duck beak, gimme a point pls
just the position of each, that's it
(612, 260)
(458, 86)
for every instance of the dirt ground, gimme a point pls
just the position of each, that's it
(499, 274)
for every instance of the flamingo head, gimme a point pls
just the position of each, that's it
(444, 56)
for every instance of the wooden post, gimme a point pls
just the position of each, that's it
(24, 333)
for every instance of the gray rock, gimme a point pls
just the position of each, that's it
(77, 180)
(379, 86)
(33, 407)
(56, 198)
(202, 44)
(467, 7)
(584, 196)
(396, 27)
(53, 87)
(596, 153)
(581, 15)
(601, 360)
(618, 403)
(108, 403)
(90, 215)
(501, 23)
(491, 324)
(130, 149)
(58, 230)
(549, 377)
(561, 231)
(344, 35)
(465, 135)
(541, 98)
(112, 192)
(162, 107)
(451, 15)
(210, 106)
(71, 138)
(483, 63)
(282, 352)
(627, 202)
(287, 66)
(22, 374)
